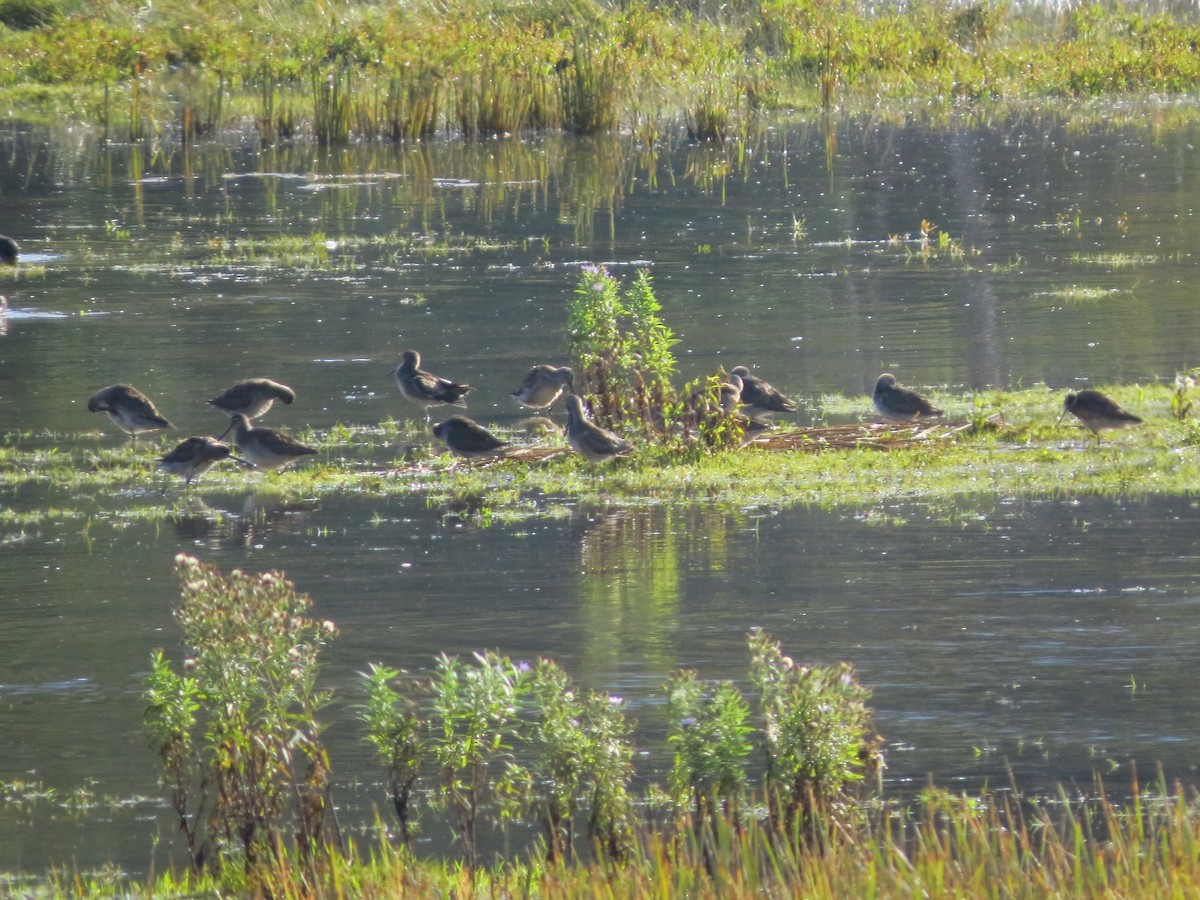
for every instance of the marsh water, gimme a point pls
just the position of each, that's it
(1052, 637)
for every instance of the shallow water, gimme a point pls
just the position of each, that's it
(1050, 636)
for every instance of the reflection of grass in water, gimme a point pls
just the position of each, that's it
(1077, 293)
(1114, 260)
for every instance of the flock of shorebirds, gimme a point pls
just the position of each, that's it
(266, 448)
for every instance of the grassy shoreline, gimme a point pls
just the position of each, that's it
(342, 71)
(1004, 444)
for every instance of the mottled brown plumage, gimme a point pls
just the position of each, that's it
(129, 409)
(424, 388)
(265, 448)
(588, 439)
(543, 385)
(252, 397)
(193, 457)
(899, 404)
(467, 438)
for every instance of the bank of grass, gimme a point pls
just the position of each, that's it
(339, 71)
(943, 845)
(1011, 443)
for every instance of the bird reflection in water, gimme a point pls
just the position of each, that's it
(262, 514)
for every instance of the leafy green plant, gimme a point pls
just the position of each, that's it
(703, 422)
(237, 732)
(814, 731)
(396, 730)
(710, 741)
(624, 350)
(473, 722)
(580, 748)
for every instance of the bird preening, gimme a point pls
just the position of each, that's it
(894, 403)
(251, 398)
(129, 409)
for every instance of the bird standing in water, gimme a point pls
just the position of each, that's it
(543, 385)
(588, 439)
(9, 250)
(1097, 412)
(129, 409)
(193, 457)
(899, 404)
(265, 448)
(424, 388)
(252, 397)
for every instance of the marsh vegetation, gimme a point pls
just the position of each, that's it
(343, 71)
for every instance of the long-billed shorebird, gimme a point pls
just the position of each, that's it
(193, 457)
(252, 397)
(588, 439)
(9, 250)
(898, 404)
(1097, 412)
(424, 388)
(265, 448)
(129, 409)
(543, 385)
(467, 438)
(762, 397)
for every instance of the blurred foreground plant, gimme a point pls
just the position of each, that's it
(237, 732)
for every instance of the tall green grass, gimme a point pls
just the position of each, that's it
(374, 70)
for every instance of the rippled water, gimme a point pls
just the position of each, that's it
(1052, 636)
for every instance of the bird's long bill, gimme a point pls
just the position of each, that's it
(226, 431)
(1063, 416)
(242, 462)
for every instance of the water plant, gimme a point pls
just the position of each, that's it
(581, 748)
(237, 731)
(710, 741)
(395, 729)
(473, 720)
(624, 350)
(814, 726)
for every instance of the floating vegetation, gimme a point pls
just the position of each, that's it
(1082, 294)
(870, 436)
(990, 443)
(1114, 260)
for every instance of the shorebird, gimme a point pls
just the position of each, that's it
(731, 393)
(543, 385)
(265, 448)
(130, 410)
(8, 250)
(467, 438)
(588, 439)
(424, 388)
(252, 397)
(194, 457)
(1097, 412)
(899, 404)
(761, 397)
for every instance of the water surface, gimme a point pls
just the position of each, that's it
(1051, 636)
